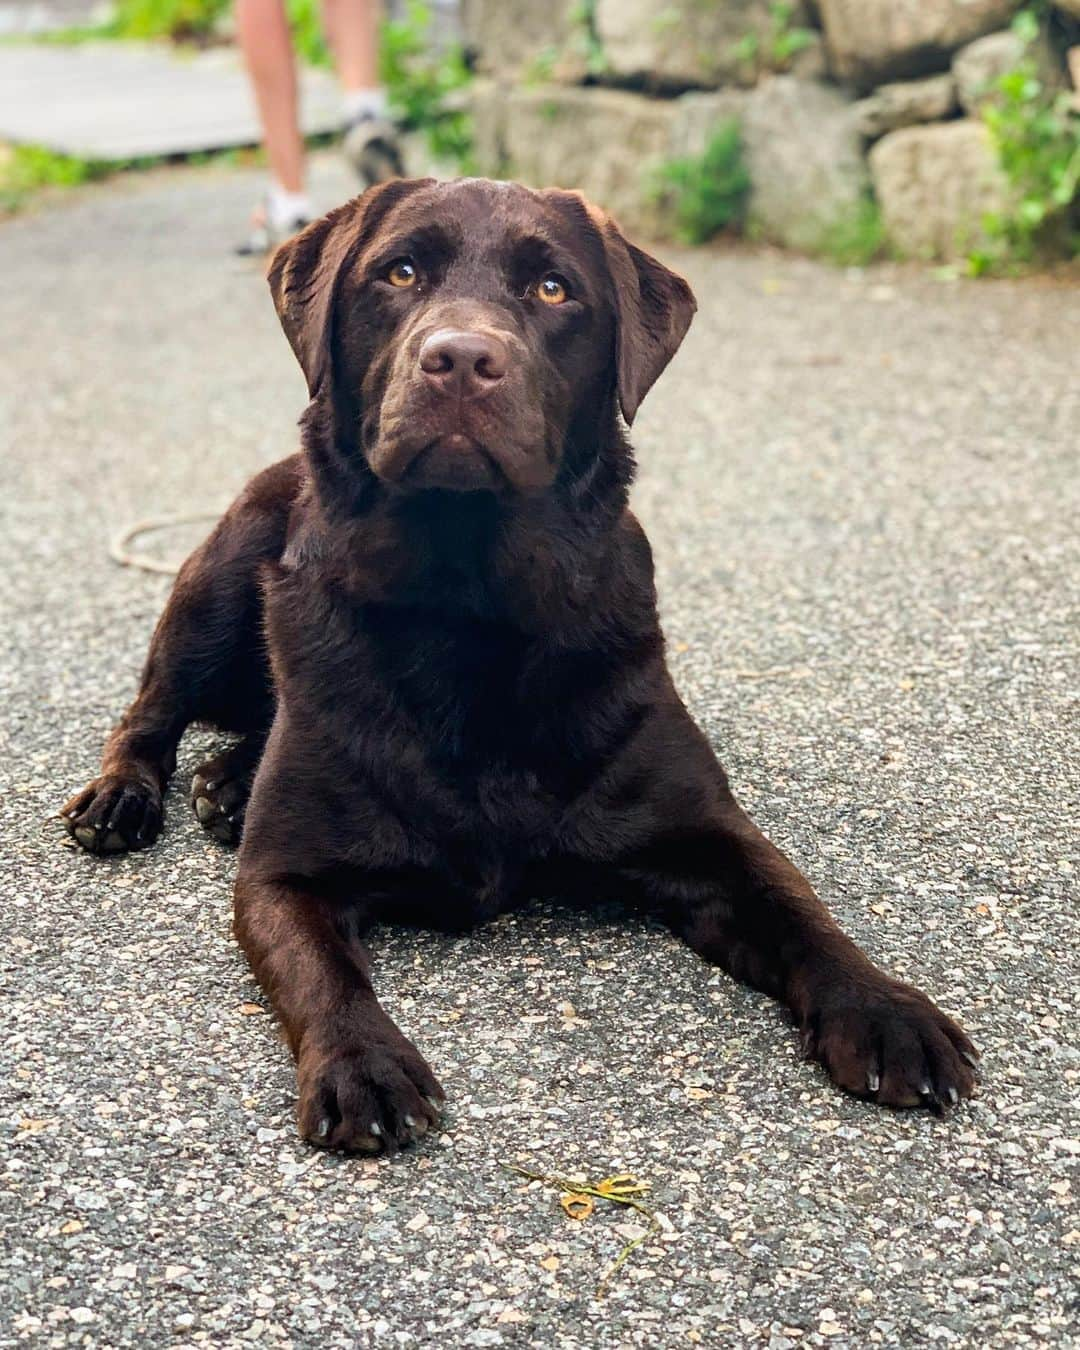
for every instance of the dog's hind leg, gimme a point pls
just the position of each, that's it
(206, 663)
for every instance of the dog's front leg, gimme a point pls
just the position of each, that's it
(740, 903)
(363, 1085)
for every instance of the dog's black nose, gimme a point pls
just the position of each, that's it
(469, 365)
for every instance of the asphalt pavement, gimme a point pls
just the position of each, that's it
(862, 490)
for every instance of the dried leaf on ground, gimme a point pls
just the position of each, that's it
(621, 1189)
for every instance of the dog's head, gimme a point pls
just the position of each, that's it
(466, 335)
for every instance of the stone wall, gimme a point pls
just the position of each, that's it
(837, 100)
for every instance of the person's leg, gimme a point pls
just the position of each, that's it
(352, 29)
(263, 30)
(371, 140)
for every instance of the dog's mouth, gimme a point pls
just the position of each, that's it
(455, 461)
(412, 452)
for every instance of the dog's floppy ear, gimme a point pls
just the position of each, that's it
(653, 309)
(304, 271)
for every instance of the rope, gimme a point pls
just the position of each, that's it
(120, 545)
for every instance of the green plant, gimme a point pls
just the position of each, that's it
(786, 41)
(189, 20)
(307, 33)
(24, 169)
(1036, 133)
(777, 47)
(420, 80)
(855, 239)
(580, 51)
(705, 193)
(541, 68)
(178, 19)
(584, 39)
(746, 51)
(28, 169)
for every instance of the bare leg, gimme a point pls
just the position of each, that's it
(263, 30)
(352, 29)
(371, 143)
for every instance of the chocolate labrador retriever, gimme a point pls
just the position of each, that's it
(436, 633)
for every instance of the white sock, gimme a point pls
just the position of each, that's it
(364, 103)
(285, 208)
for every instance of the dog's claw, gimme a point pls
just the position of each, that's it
(322, 1130)
(873, 1081)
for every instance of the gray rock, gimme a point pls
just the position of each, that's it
(873, 40)
(801, 142)
(812, 61)
(978, 66)
(935, 185)
(519, 37)
(905, 104)
(802, 148)
(805, 158)
(698, 115)
(607, 142)
(685, 45)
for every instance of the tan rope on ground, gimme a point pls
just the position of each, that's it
(120, 545)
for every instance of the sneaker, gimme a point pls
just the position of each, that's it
(372, 145)
(264, 237)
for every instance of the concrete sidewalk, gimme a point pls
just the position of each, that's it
(126, 100)
(863, 494)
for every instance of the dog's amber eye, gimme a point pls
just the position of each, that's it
(551, 290)
(402, 273)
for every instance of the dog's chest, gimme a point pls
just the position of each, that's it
(468, 732)
(473, 693)
(478, 722)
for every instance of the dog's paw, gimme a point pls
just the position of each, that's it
(889, 1042)
(221, 787)
(114, 813)
(366, 1098)
(219, 803)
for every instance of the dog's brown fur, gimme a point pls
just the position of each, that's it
(436, 632)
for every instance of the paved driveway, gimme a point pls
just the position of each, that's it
(862, 492)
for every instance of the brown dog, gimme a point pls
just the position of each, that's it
(436, 631)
